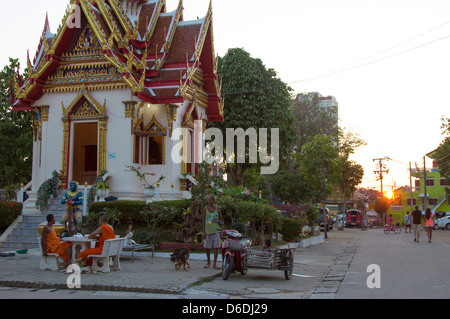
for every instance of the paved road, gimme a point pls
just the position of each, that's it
(336, 269)
(408, 270)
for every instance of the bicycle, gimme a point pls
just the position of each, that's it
(395, 228)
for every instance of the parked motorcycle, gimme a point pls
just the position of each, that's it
(233, 252)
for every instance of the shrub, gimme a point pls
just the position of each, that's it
(262, 218)
(9, 211)
(305, 213)
(240, 227)
(143, 237)
(290, 228)
(125, 209)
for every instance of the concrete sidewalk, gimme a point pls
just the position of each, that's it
(157, 276)
(144, 274)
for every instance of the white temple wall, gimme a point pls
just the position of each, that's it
(119, 143)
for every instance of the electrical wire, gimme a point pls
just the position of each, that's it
(371, 62)
(358, 64)
(383, 51)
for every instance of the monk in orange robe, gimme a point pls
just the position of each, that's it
(104, 232)
(51, 243)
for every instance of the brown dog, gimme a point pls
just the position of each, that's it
(180, 258)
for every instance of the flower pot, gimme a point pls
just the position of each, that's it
(149, 194)
(59, 229)
(102, 194)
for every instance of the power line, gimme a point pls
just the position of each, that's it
(372, 62)
(351, 66)
(384, 51)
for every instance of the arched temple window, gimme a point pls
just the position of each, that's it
(149, 143)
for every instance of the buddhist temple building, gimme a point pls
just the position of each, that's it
(110, 86)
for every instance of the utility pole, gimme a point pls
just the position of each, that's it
(425, 199)
(425, 195)
(410, 188)
(381, 170)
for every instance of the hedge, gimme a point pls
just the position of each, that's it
(9, 211)
(262, 218)
(133, 209)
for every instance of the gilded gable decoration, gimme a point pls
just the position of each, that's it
(190, 116)
(153, 128)
(87, 42)
(84, 107)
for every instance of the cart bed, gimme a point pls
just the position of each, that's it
(256, 258)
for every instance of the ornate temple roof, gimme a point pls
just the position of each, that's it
(135, 44)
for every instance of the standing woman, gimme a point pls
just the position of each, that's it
(429, 223)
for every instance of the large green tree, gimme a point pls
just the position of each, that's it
(311, 119)
(16, 134)
(320, 165)
(254, 98)
(292, 186)
(351, 173)
(442, 154)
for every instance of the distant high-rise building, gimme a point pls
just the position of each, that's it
(328, 103)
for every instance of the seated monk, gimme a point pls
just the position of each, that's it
(51, 243)
(104, 232)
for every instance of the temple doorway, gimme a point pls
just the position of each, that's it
(85, 152)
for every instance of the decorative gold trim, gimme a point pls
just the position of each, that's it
(99, 110)
(84, 107)
(102, 130)
(65, 150)
(98, 87)
(171, 115)
(130, 108)
(43, 110)
(154, 128)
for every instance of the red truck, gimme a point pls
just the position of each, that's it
(353, 218)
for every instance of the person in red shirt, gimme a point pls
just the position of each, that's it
(389, 220)
(429, 223)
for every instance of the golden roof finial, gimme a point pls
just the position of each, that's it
(136, 30)
(29, 65)
(144, 57)
(129, 57)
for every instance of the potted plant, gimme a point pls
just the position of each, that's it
(149, 188)
(103, 189)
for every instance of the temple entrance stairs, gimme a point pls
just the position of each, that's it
(25, 234)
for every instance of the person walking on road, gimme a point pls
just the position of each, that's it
(407, 222)
(416, 223)
(429, 223)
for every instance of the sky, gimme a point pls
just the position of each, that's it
(387, 62)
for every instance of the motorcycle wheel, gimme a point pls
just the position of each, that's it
(244, 270)
(288, 263)
(227, 267)
(387, 230)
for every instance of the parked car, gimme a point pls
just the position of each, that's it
(328, 221)
(443, 222)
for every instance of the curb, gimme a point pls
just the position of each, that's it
(59, 286)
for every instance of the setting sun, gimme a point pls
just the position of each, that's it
(389, 194)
